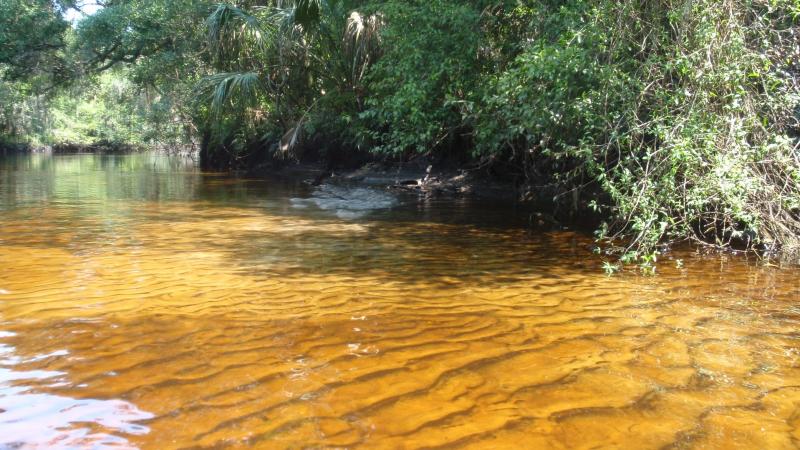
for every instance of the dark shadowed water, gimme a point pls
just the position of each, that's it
(144, 304)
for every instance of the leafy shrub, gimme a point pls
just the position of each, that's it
(677, 123)
(430, 64)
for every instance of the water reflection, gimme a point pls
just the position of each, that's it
(347, 202)
(33, 419)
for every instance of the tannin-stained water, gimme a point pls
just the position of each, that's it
(144, 304)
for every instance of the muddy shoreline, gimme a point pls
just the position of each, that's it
(415, 178)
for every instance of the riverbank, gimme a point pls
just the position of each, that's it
(11, 148)
(449, 180)
(67, 148)
(443, 180)
(422, 179)
(101, 147)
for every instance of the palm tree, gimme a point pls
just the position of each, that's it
(277, 63)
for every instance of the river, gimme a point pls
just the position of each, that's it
(146, 304)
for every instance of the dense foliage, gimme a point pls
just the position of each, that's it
(669, 119)
(56, 88)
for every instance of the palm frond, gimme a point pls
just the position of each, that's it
(307, 12)
(228, 25)
(289, 142)
(362, 41)
(226, 87)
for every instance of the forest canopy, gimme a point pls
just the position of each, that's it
(669, 120)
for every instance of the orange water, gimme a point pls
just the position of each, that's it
(144, 304)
